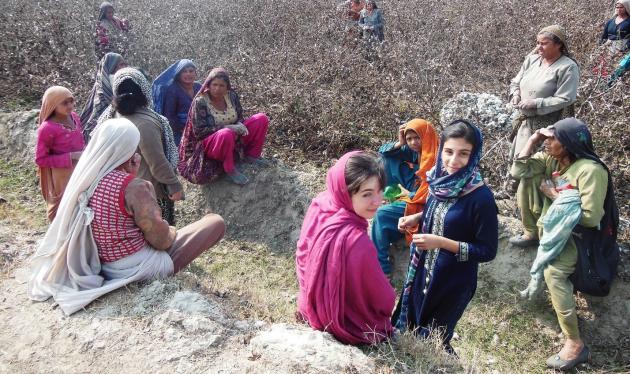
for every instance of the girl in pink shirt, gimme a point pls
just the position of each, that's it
(59, 145)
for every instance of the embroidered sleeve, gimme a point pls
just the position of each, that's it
(462, 256)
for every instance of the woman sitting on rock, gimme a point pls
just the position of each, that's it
(132, 99)
(406, 163)
(59, 145)
(568, 153)
(546, 84)
(371, 21)
(173, 93)
(110, 31)
(616, 32)
(340, 291)
(101, 94)
(109, 231)
(459, 230)
(216, 132)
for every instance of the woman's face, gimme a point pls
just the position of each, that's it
(554, 148)
(218, 88)
(413, 140)
(65, 108)
(188, 76)
(456, 154)
(620, 10)
(547, 48)
(366, 201)
(109, 13)
(121, 64)
(369, 6)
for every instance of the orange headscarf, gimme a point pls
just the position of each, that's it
(430, 144)
(53, 96)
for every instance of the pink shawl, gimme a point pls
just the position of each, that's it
(342, 288)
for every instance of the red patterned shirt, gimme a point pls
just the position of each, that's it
(114, 230)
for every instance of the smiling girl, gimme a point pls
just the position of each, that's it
(459, 230)
(335, 260)
(59, 145)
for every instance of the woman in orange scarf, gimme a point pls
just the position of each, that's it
(415, 138)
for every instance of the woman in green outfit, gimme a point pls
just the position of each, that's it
(568, 152)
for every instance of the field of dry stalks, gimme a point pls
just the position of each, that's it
(324, 92)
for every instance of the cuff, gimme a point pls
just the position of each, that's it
(462, 256)
(175, 187)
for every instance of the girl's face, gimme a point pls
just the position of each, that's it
(188, 76)
(109, 13)
(366, 201)
(121, 64)
(413, 140)
(65, 108)
(620, 10)
(369, 6)
(218, 88)
(456, 154)
(547, 48)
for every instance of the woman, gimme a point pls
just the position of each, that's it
(109, 231)
(617, 30)
(109, 31)
(340, 291)
(59, 145)
(216, 133)
(173, 92)
(546, 84)
(569, 152)
(371, 21)
(101, 94)
(132, 98)
(407, 162)
(459, 230)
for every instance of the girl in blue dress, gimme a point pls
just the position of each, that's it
(459, 230)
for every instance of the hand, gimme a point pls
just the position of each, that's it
(527, 104)
(401, 135)
(408, 222)
(547, 188)
(403, 191)
(515, 100)
(75, 155)
(240, 129)
(134, 164)
(427, 241)
(537, 137)
(179, 195)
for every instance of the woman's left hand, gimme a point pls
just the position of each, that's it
(547, 188)
(427, 241)
(527, 104)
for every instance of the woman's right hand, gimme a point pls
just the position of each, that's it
(537, 137)
(515, 100)
(401, 136)
(408, 222)
(240, 129)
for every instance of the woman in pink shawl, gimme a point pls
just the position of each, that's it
(342, 288)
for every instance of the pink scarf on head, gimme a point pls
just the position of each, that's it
(325, 261)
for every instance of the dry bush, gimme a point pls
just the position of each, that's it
(324, 92)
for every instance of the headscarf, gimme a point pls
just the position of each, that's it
(165, 80)
(170, 149)
(329, 230)
(373, 2)
(446, 186)
(103, 9)
(101, 94)
(626, 5)
(67, 259)
(53, 96)
(217, 72)
(429, 140)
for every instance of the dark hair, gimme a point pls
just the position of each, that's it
(361, 167)
(459, 129)
(128, 98)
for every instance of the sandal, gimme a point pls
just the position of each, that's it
(555, 362)
(523, 241)
(238, 178)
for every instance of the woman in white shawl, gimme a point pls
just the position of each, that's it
(68, 266)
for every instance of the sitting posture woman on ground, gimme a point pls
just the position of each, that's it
(132, 99)
(569, 154)
(59, 145)
(173, 93)
(110, 31)
(109, 231)
(616, 32)
(216, 133)
(406, 163)
(371, 21)
(101, 94)
(546, 84)
(459, 230)
(340, 291)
